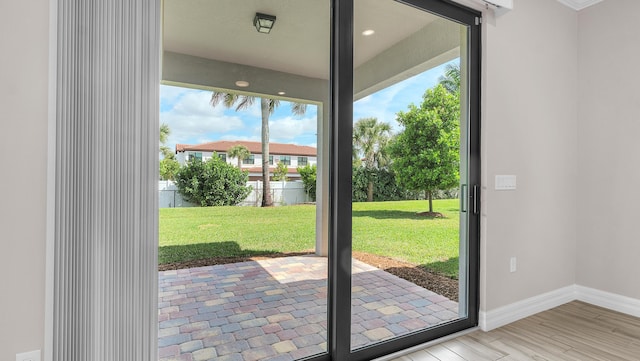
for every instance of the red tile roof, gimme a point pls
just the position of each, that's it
(254, 148)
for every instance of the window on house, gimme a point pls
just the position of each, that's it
(285, 159)
(223, 156)
(249, 160)
(302, 161)
(196, 155)
(270, 160)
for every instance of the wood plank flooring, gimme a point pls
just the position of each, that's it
(575, 332)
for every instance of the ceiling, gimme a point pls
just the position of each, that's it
(299, 42)
(579, 4)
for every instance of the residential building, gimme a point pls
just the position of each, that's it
(292, 155)
(559, 109)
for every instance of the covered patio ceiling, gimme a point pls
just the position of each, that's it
(213, 44)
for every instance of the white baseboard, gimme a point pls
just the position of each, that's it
(611, 301)
(501, 316)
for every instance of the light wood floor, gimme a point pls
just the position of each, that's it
(576, 331)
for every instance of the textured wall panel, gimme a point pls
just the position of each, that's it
(105, 293)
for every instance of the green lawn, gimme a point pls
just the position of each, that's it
(389, 229)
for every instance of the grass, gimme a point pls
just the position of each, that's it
(391, 229)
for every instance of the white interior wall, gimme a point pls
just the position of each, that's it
(608, 130)
(529, 129)
(24, 60)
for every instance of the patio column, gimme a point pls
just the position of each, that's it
(322, 182)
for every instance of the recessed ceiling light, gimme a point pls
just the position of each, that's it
(368, 32)
(242, 83)
(281, 93)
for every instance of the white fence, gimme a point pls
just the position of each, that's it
(169, 196)
(282, 193)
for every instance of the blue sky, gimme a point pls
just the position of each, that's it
(192, 120)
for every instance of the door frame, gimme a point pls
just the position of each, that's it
(340, 160)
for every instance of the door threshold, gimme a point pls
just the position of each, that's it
(425, 345)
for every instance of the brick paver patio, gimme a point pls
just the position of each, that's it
(275, 309)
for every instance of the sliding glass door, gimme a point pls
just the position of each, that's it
(381, 253)
(406, 132)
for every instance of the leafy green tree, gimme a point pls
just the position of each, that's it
(426, 152)
(168, 165)
(281, 172)
(309, 174)
(164, 134)
(267, 107)
(212, 183)
(240, 152)
(385, 187)
(168, 168)
(370, 142)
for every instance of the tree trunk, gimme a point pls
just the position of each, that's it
(266, 186)
(370, 191)
(428, 195)
(239, 162)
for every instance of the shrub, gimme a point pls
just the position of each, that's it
(308, 174)
(385, 187)
(212, 183)
(168, 168)
(281, 172)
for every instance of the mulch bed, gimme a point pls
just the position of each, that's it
(437, 283)
(432, 281)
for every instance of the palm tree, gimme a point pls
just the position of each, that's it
(239, 151)
(164, 134)
(370, 140)
(267, 107)
(451, 78)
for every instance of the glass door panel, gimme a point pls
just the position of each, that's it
(245, 95)
(342, 278)
(410, 244)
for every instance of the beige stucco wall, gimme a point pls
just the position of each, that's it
(608, 131)
(529, 130)
(24, 26)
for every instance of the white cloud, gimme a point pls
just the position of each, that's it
(254, 110)
(171, 94)
(253, 138)
(287, 129)
(385, 104)
(192, 119)
(376, 109)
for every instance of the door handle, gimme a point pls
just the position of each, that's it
(476, 199)
(464, 202)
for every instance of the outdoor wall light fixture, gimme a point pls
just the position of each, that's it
(264, 23)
